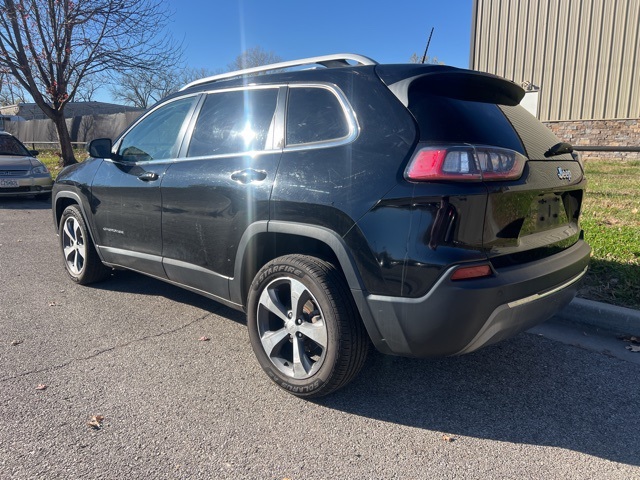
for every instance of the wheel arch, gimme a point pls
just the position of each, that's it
(61, 201)
(264, 241)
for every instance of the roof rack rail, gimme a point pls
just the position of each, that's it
(329, 61)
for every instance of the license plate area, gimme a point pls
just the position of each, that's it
(547, 212)
(8, 183)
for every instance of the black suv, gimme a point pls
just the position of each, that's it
(418, 207)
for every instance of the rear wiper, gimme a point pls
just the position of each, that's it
(559, 149)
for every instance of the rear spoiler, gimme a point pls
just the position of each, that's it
(453, 82)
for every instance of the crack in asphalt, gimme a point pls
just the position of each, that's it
(105, 350)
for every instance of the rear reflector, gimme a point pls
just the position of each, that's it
(467, 163)
(467, 273)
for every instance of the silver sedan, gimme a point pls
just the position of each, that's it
(20, 172)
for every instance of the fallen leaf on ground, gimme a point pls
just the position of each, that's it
(41, 386)
(96, 422)
(54, 304)
(633, 348)
(16, 342)
(448, 438)
(204, 339)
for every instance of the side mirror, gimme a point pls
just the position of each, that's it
(34, 153)
(100, 148)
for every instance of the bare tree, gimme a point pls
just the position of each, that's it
(146, 88)
(10, 91)
(253, 57)
(51, 46)
(88, 88)
(139, 90)
(415, 58)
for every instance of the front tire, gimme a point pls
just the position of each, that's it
(303, 325)
(79, 255)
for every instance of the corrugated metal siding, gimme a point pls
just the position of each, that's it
(584, 55)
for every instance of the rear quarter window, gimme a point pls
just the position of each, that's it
(314, 115)
(448, 120)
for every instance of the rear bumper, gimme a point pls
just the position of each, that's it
(457, 317)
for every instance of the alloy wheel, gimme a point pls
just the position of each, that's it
(73, 245)
(292, 328)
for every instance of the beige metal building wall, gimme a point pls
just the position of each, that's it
(583, 54)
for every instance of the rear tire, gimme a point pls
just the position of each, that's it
(304, 327)
(79, 255)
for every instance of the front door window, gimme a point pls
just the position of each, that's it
(158, 135)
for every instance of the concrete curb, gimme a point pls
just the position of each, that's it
(602, 315)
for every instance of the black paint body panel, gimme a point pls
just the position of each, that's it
(207, 224)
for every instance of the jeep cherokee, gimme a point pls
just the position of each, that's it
(415, 207)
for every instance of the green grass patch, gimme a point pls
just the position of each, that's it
(611, 222)
(53, 161)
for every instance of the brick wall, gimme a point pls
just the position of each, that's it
(600, 132)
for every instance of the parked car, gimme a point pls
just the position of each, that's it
(21, 173)
(415, 207)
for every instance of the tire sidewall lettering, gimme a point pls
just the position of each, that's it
(298, 389)
(277, 269)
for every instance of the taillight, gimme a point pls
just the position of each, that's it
(470, 163)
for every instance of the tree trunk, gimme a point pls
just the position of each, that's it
(68, 158)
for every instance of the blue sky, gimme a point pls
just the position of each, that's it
(214, 33)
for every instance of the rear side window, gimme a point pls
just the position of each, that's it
(447, 120)
(314, 115)
(234, 122)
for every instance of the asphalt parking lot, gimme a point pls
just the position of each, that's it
(174, 406)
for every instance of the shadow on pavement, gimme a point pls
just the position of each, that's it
(132, 282)
(26, 203)
(526, 390)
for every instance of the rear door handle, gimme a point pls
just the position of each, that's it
(148, 176)
(248, 175)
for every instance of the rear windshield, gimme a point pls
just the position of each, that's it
(448, 120)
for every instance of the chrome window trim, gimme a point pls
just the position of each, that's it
(252, 154)
(347, 110)
(352, 122)
(248, 86)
